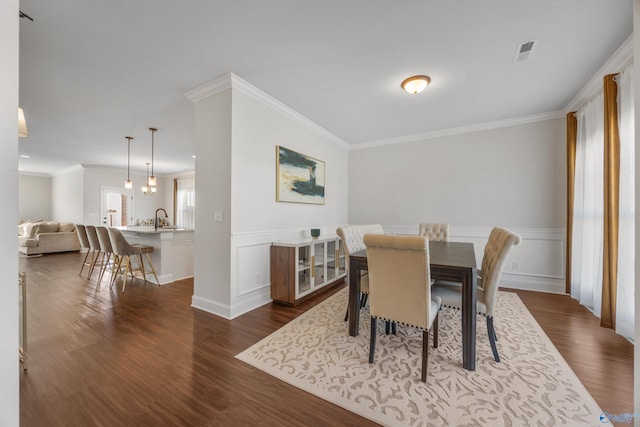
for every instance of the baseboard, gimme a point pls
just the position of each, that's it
(211, 306)
(533, 283)
(260, 298)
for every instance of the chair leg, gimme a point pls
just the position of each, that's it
(118, 265)
(84, 262)
(372, 341)
(363, 302)
(425, 355)
(346, 315)
(127, 266)
(492, 338)
(436, 323)
(393, 328)
(106, 257)
(387, 327)
(153, 270)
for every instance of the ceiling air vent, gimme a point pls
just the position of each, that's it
(525, 50)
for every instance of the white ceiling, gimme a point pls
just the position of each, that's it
(93, 72)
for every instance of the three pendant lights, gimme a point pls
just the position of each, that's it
(149, 189)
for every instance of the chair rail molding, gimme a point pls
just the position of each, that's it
(537, 264)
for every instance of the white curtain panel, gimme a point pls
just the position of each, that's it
(186, 203)
(626, 242)
(586, 259)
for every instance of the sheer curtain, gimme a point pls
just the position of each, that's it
(185, 203)
(626, 243)
(588, 206)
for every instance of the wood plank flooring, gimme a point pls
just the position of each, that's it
(97, 357)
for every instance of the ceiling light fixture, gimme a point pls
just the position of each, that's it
(22, 124)
(147, 189)
(152, 179)
(416, 84)
(128, 183)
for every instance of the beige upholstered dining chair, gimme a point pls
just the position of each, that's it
(353, 241)
(498, 246)
(400, 289)
(125, 251)
(434, 232)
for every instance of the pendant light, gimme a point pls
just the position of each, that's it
(145, 189)
(128, 183)
(151, 182)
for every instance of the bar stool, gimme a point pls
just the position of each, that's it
(124, 251)
(84, 244)
(107, 251)
(94, 244)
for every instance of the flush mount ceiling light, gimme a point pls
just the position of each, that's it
(416, 84)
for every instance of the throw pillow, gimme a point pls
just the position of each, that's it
(67, 227)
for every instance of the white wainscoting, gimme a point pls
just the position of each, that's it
(536, 264)
(250, 265)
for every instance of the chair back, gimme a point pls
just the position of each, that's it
(119, 244)
(104, 239)
(82, 236)
(399, 278)
(353, 237)
(498, 246)
(435, 232)
(94, 243)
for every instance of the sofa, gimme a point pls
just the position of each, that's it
(43, 237)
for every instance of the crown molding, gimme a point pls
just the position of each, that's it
(513, 121)
(622, 57)
(234, 82)
(211, 88)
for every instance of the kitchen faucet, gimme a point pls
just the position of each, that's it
(166, 215)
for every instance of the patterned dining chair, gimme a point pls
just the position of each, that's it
(494, 259)
(353, 241)
(434, 232)
(400, 288)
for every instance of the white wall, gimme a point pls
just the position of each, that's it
(67, 192)
(512, 177)
(213, 193)
(77, 191)
(636, 82)
(257, 129)
(9, 84)
(237, 131)
(34, 197)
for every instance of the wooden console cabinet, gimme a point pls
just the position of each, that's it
(300, 269)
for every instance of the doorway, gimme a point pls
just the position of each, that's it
(116, 207)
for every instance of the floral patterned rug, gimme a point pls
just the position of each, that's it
(532, 385)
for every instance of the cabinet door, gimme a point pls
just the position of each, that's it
(333, 268)
(318, 261)
(341, 261)
(304, 270)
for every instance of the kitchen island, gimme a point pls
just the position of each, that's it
(172, 254)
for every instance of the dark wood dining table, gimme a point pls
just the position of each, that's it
(453, 261)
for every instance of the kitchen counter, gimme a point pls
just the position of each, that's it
(173, 252)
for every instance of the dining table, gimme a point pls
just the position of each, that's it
(450, 261)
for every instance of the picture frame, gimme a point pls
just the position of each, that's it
(299, 178)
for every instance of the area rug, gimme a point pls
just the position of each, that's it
(532, 385)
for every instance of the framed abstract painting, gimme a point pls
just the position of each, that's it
(299, 178)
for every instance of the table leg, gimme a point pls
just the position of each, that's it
(354, 297)
(469, 282)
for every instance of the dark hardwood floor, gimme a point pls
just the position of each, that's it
(97, 357)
